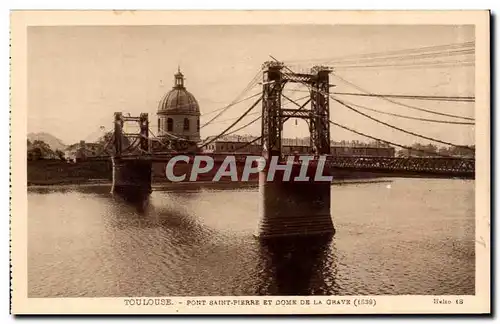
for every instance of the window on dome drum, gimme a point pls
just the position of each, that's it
(159, 125)
(170, 125)
(198, 125)
(186, 124)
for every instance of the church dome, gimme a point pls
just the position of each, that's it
(178, 100)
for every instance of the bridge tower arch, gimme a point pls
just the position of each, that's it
(274, 115)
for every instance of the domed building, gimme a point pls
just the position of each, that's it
(179, 112)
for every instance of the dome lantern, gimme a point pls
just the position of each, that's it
(179, 100)
(179, 79)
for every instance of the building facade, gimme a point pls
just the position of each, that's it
(362, 151)
(227, 145)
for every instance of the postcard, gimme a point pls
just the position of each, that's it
(250, 162)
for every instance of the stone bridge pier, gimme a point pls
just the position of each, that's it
(294, 208)
(131, 177)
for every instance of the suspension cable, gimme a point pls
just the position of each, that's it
(384, 141)
(402, 96)
(237, 102)
(259, 117)
(393, 52)
(254, 113)
(292, 101)
(250, 85)
(416, 97)
(173, 136)
(364, 135)
(233, 118)
(404, 66)
(412, 57)
(369, 136)
(398, 128)
(232, 125)
(244, 126)
(400, 103)
(237, 121)
(395, 127)
(410, 117)
(131, 145)
(250, 143)
(347, 128)
(156, 138)
(396, 143)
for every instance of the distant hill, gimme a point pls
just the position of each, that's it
(51, 140)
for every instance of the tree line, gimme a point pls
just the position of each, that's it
(39, 150)
(418, 149)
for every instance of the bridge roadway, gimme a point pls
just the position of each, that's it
(441, 167)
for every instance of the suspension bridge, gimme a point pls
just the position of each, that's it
(290, 208)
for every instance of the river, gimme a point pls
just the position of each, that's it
(400, 236)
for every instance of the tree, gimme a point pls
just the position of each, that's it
(60, 154)
(35, 154)
(40, 150)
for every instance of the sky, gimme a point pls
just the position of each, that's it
(78, 76)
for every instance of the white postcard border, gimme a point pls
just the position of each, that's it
(21, 304)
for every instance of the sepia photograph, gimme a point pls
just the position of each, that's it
(315, 162)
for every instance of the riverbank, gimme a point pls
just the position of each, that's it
(57, 172)
(99, 172)
(207, 185)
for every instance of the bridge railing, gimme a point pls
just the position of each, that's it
(416, 164)
(450, 165)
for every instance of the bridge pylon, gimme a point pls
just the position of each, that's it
(294, 208)
(131, 176)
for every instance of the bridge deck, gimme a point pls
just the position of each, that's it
(433, 166)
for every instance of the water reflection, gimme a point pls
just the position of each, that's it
(177, 225)
(294, 266)
(138, 199)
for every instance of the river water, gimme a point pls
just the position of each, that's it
(400, 236)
